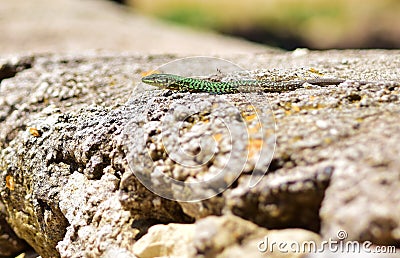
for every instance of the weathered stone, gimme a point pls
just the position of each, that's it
(10, 244)
(166, 240)
(72, 138)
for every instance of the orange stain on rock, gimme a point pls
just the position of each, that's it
(34, 132)
(10, 184)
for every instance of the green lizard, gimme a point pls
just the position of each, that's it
(175, 82)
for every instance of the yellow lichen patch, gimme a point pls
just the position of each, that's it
(312, 98)
(250, 117)
(34, 132)
(254, 147)
(313, 70)
(10, 184)
(296, 108)
(360, 119)
(145, 73)
(287, 105)
(217, 137)
(288, 112)
(204, 117)
(296, 138)
(328, 140)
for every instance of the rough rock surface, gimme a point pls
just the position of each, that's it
(225, 236)
(69, 151)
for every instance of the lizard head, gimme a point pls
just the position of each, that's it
(160, 80)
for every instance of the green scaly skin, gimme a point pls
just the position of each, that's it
(179, 83)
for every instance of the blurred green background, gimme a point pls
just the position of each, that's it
(288, 24)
